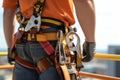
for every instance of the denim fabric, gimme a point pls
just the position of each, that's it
(22, 73)
(32, 52)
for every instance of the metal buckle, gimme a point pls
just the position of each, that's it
(34, 22)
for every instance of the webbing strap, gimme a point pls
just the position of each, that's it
(48, 48)
(65, 72)
(45, 45)
(37, 9)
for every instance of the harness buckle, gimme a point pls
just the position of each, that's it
(34, 22)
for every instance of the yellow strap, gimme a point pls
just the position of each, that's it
(48, 21)
(65, 72)
(43, 37)
(51, 21)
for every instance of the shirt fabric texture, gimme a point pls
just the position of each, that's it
(58, 9)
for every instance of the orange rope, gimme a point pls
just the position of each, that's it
(98, 76)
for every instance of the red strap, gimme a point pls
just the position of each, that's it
(47, 47)
(27, 64)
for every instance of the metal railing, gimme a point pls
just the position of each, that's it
(112, 57)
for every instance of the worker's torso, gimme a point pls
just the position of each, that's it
(59, 9)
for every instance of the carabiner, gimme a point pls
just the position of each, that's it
(76, 49)
(70, 43)
(59, 52)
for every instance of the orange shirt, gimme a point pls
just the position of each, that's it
(59, 9)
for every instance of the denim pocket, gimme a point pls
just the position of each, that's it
(37, 52)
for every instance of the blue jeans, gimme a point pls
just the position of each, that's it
(33, 52)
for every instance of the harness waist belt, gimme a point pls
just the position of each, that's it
(40, 37)
(52, 21)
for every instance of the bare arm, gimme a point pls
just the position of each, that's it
(85, 12)
(9, 25)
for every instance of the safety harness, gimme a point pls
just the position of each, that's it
(31, 28)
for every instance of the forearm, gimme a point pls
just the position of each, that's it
(85, 12)
(9, 25)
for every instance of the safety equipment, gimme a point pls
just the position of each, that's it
(88, 51)
(61, 56)
(74, 50)
(40, 67)
(24, 22)
(31, 30)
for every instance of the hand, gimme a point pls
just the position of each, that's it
(10, 60)
(88, 51)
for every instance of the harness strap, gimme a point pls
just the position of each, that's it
(45, 37)
(40, 37)
(54, 23)
(48, 48)
(65, 72)
(44, 64)
(25, 63)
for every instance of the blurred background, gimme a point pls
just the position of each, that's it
(107, 39)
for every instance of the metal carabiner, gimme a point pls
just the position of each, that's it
(60, 48)
(76, 49)
(70, 43)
